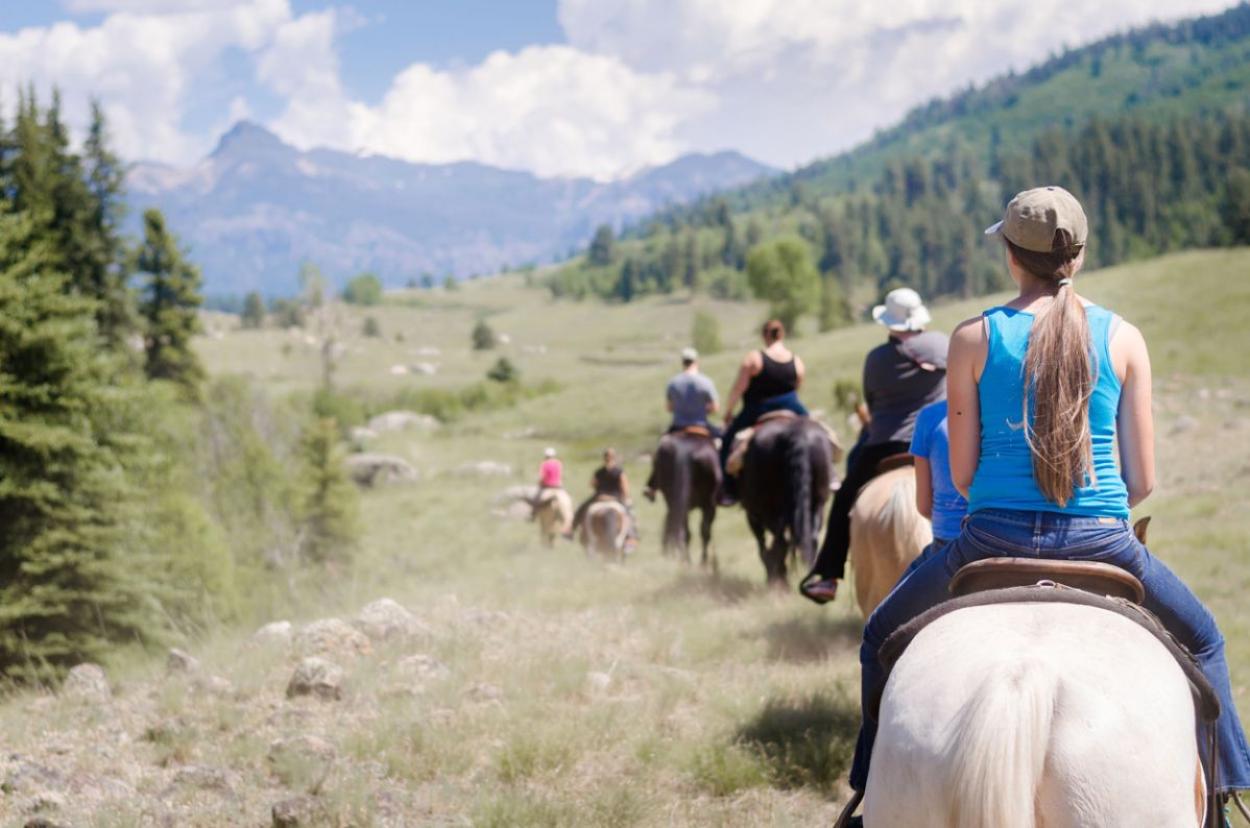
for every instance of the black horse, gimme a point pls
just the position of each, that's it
(784, 484)
(687, 472)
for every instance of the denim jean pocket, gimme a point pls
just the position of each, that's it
(996, 544)
(1109, 544)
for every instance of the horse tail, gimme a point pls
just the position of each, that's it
(997, 748)
(799, 463)
(678, 497)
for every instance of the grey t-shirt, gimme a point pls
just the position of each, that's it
(690, 395)
(900, 378)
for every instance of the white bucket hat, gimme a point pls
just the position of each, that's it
(549, 452)
(903, 311)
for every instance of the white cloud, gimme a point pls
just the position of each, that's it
(800, 78)
(148, 6)
(140, 66)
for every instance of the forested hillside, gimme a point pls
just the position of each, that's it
(1150, 129)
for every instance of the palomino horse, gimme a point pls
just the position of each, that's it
(887, 534)
(605, 529)
(1035, 714)
(687, 473)
(553, 511)
(784, 484)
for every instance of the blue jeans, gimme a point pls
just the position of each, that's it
(1001, 533)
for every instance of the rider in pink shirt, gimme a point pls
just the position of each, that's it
(551, 472)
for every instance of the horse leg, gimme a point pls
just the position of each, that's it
(708, 514)
(758, 529)
(780, 551)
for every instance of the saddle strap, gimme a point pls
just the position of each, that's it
(1206, 702)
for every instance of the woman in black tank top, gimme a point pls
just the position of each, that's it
(767, 385)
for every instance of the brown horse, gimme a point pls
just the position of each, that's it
(687, 472)
(784, 485)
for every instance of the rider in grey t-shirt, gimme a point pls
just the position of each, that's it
(691, 396)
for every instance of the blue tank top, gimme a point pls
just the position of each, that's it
(1004, 476)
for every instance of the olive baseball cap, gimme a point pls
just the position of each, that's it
(1034, 216)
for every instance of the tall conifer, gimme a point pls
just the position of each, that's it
(170, 299)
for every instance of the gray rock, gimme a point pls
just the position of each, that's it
(403, 421)
(316, 677)
(332, 637)
(180, 661)
(204, 777)
(302, 761)
(299, 812)
(275, 633)
(29, 778)
(385, 619)
(88, 682)
(43, 822)
(485, 468)
(483, 692)
(360, 434)
(371, 469)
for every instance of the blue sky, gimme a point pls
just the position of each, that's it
(558, 87)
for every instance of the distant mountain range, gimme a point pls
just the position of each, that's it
(256, 208)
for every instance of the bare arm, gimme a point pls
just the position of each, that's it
(624, 487)
(967, 357)
(924, 487)
(800, 372)
(745, 372)
(1134, 421)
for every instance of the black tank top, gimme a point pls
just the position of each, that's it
(776, 378)
(608, 481)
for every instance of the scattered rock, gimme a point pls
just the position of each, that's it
(428, 350)
(299, 812)
(485, 468)
(275, 633)
(599, 681)
(384, 619)
(483, 692)
(216, 685)
(316, 677)
(403, 421)
(399, 370)
(43, 822)
(1184, 423)
(30, 779)
(302, 761)
(427, 369)
(180, 661)
(360, 434)
(370, 469)
(87, 681)
(331, 636)
(423, 667)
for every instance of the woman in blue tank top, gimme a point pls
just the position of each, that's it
(1044, 394)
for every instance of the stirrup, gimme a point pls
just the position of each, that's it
(844, 818)
(1235, 798)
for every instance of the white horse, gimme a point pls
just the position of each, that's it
(1035, 715)
(887, 533)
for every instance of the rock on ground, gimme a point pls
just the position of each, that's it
(301, 761)
(318, 677)
(333, 637)
(423, 667)
(485, 468)
(275, 633)
(87, 681)
(180, 661)
(371, 469)
(385, 619)
(403, 421)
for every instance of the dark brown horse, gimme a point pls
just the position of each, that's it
(687, 472)
(783, 486)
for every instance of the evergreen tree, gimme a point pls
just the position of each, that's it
(1237, 206)
(835, 311)
(330, 524)
(503, 371)
(253, 311)
(105, 276)
(66, 590)
(170, 299)
(483, 336)
(602, 246)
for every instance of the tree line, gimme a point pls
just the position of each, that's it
(137, 498)
(1149, 188)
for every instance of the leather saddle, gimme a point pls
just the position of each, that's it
(1089, 576)
(894, 461)
(696, 431)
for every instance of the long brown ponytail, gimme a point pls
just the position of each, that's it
(1059, 373)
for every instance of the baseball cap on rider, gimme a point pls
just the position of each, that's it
(903, 311)
(549, 452)
(689, 355)
(1034, 216)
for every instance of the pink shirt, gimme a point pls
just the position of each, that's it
(551, 473)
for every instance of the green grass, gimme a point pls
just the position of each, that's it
(725, 703)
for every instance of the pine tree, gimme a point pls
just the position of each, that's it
(330, 523)
(253, 316)
(169, 303)
(835, 311)
(66, 590)
(104, 275)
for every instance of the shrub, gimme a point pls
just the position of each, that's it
(370, 327)
(503, 371)
(483, 336)
(705, 333)
(365, 289)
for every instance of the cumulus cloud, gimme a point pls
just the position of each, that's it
(800, 78)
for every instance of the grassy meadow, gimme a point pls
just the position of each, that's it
(568, 692)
